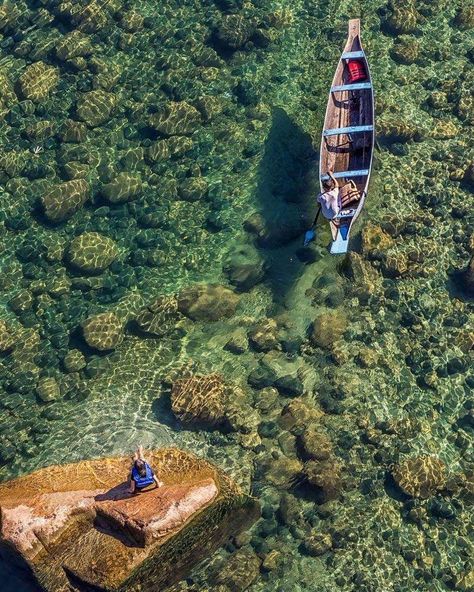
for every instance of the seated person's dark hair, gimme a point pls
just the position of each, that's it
(141, 467)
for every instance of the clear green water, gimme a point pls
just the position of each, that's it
(256, 153)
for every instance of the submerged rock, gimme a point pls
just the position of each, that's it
(179, 118)
(64, 200)
(327, 328)
(58, 521)
(240, 570)
(37, 81)
(95, 107)
(468, 277)
(244, 267)
(325, 476)
(234, 31)
(7, 338)
(125, 187)
(47, 389)
(103, 331)
(160, 317)
(92, 252)
(420, 476)
(200, 400)
(207, 302)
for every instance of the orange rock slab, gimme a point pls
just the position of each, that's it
(76, 526)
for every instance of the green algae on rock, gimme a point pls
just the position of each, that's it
(92, 252)
(142, 542)
(207, 302)
(125, 187)
(38, 81)
(64, 200)
(103, 331)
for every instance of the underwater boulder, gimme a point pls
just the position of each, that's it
(244, 267)
(160, 317)
(391, 128)
(464, 18)
(263, 336)
(234, 31)
(74, 361)
(91, 252)
(200, 400)
(405, 50)
(95, 107)
(468, 277)
(469, 174)
(47, 389)
(315, 444)
(176, 118)
(240, 570)
(73, 132)
(7, 337)
(124, 187)
(402, 17)
(64, 200)
(103, 331)
(317, 543)
(325, 476)
(420, 476)
(193, 189)
(207, 302)
(73, 45)
(327, 328)
(62, 522)
(38, 81)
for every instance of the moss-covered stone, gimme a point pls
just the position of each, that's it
(179, 118)
(406, 50)
(234, 31)
(73, 45)
(7, 337)
(327, 328)
(144, 542)
(48, 390)
(193, 189)
(420, 476)
(37, 81)
(92, 252)
(160, 317)
(464, 18)
(74, 361)
(207, 302)
(96, 107)
(62, 201)
(103, 331)
(125, 187)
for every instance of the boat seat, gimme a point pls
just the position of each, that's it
(354, 86)
(354, 129)
(352, 55)
(347, 174)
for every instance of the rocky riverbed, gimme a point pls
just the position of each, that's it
(157, 173)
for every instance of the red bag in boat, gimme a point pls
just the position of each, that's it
(356, 71)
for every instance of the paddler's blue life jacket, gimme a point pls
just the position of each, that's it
(144, 481)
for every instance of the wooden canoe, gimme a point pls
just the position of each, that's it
(347, 142)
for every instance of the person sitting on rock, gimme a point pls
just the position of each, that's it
(141, 475)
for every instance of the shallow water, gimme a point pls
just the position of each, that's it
(398, 381)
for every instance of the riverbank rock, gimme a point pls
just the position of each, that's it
(64, 200)
(420, 476)
(207, 302)
(103, 331)
(77, 522)
(92, 252)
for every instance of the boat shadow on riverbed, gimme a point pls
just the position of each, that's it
(285, 194)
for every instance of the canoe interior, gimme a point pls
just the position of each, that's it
(343, 152)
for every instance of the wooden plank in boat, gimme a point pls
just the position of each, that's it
(351, 55)
(355, 86)
(347, 174)
(353, 129)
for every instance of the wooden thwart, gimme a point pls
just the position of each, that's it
(353, 129)
(347, 174)
(355, 86)
(351, 55)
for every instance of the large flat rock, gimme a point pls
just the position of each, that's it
(76, 526)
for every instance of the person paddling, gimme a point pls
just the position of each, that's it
(141, 474)
(331, 201)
